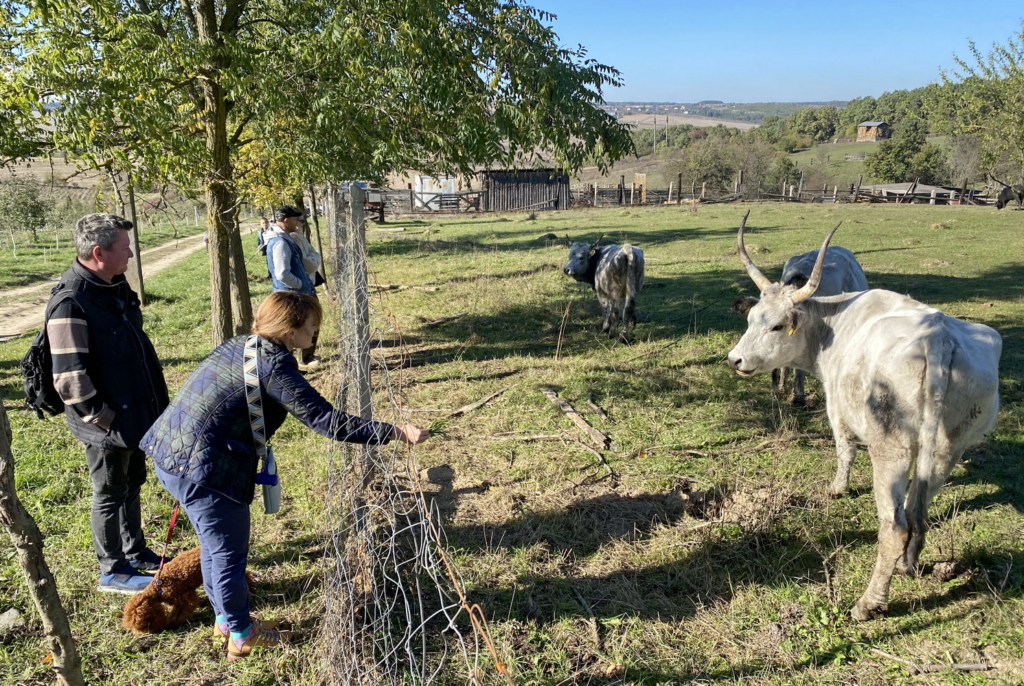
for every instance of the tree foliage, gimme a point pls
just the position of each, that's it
(331, 90)
(984, 99)
(892, 160)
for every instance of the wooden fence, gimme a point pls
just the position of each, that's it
(402, 201)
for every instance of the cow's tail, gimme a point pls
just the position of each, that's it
(932, 465)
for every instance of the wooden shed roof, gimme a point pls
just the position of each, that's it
(873, 123)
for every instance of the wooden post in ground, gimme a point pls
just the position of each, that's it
(595, 194)
(669, 198)
(679, 188)
(835, 194)
(64, 659)
(703, 189)
(963, 191)
(800, 188)
(931, 199)
(856, 191)
(632, 192)
(622, 189)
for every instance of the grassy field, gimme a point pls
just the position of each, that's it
(712, 554)
(26, 262)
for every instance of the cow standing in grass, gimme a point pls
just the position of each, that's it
(616, 273)
(841, 273)
(1010, 194)
(916, 386)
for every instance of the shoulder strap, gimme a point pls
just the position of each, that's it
(254, 396)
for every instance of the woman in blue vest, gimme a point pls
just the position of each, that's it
(206, 456)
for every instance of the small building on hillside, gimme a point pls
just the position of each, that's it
(868, 131)
(508, 190)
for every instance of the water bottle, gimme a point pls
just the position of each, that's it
(267, 477)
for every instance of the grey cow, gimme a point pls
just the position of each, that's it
(841, 273)
(616, 273)
(916, 386)
(1010, 194)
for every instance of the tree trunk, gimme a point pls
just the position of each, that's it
(220, 193)
(241, 299)
(66, 665)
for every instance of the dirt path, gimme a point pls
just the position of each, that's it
(21, 309)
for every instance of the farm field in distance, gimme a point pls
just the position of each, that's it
(712, 553)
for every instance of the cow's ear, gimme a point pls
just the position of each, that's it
(743, 305)
(794, 321)
(593, 251)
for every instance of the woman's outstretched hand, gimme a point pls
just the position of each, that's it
(411, 434)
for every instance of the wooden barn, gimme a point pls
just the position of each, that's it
(868, 131)
(524, 189)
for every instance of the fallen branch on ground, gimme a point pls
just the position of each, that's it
(604, 462)
(601, 440)
(525, 439)
(597, 408)
(479, 403)
(655, 351)
(773, 441)
(932, 668)
(396, 287)
(443, 320)
(734, 451)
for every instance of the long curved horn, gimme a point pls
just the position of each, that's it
(760, 280)
(812, 283)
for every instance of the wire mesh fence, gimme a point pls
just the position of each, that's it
(396, 610)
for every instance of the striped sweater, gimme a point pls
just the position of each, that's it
(104, 367)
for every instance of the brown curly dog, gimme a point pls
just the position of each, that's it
(150, 612)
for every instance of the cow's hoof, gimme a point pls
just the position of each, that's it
(836, 493)
(863, 611)
(908, 568)
(798, 401)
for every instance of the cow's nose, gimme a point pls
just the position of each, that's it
(567, 271)
(735, 362)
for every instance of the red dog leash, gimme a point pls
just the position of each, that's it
(163, 556)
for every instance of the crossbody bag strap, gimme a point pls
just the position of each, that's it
(254, 396)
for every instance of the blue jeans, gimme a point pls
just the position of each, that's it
(223, 528)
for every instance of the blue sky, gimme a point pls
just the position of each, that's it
(778, 51)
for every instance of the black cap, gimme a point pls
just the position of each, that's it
(286, 212)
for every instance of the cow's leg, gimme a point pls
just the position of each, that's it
(613, 317)
(628, 319)
(846, 450)
(779, 380)
(606, 309)
(799, 377)
(891, 465)
(930, 474)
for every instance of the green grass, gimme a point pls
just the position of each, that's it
(674, 598)
(46, 259)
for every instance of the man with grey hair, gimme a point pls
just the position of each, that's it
(106, 371)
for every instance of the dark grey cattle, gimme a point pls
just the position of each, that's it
(840, 273)
(616, 273)
(916, 386)
(1010, 194)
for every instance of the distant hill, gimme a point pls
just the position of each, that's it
(753, 112)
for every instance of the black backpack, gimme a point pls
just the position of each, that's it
(37, 368)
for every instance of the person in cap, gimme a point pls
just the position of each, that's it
(287, 269)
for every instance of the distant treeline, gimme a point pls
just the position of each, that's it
(754, 112)
(713, 155)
